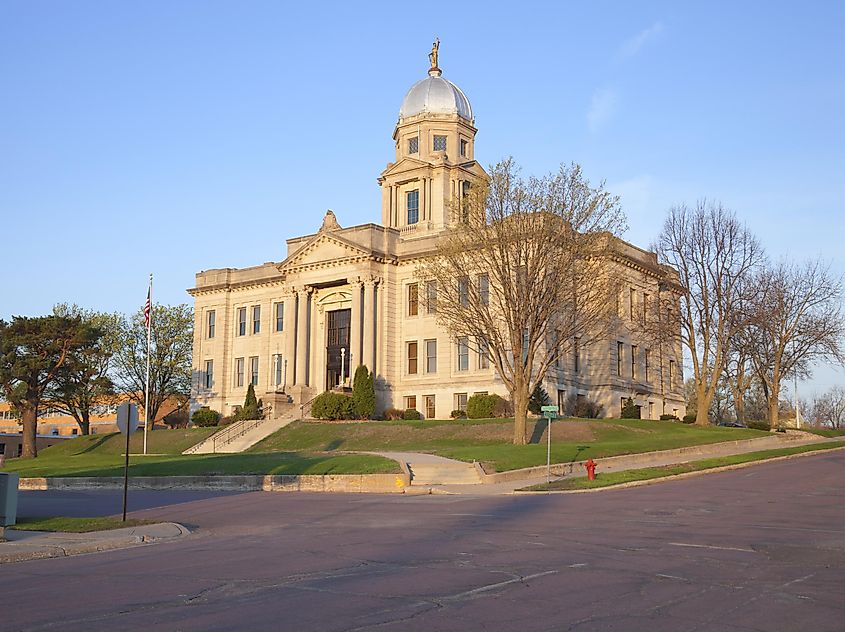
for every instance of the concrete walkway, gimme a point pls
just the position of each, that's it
(429, 469)
(32, 545)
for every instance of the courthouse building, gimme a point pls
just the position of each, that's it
(348, 295)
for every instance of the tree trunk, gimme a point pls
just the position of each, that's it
(739, 406)
(703, 403)
(85, 424)
(520, 416)
(29, 419)
(773, 402)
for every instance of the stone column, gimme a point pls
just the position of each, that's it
(301, 336)
(355, 328)
(369, 321)
(290, 339)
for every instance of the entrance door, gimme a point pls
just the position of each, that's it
(337, 338)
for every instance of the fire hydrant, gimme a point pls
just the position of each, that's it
(591, 469)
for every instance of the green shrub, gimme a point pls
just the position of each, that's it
(332, 406)
(394, 414)
(411, 414)
(630, 410)
(458, 414)
(252, 408)
(758, 425)
(485, 406)
(364, 393)
(539, 398)
(667, 417)
(205, 417)
(689, 418)
(581, 406)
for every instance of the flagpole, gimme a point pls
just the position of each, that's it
(147, 389)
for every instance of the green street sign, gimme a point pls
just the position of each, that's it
(549, 411)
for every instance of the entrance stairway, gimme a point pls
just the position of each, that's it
(241, 435)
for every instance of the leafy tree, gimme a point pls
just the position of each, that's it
(33, 351)
(524, 272)
(364, 392)
(539, 398)
(630, 410)
(252, 408)
(85, 382)
(170, 357)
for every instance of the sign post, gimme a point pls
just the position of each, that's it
(549, 412)
(127, 422)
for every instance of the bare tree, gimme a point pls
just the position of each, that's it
(170, 357)
(796, 321)
(829, 408)
(713, 254)
(523, 272)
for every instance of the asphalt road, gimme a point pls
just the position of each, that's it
(761, 548)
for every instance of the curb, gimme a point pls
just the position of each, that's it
(683, 475)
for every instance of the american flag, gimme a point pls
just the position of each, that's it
(147, 307)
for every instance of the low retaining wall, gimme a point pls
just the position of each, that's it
(354, 483)
(646, 459)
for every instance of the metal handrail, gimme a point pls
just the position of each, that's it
(234, 431)
(308, 405)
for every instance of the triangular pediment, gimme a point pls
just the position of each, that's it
(405, 164)
(325, 248)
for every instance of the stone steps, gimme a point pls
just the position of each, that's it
(443, 474)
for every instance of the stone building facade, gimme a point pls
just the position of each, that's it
(347, 296)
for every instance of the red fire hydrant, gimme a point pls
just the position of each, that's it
(591, 469)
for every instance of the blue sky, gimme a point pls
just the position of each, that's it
(171, 137)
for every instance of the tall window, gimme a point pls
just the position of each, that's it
(464, 144)
(209, 373)
(411, 401)
(413, 299)
(619, 352)
(484, 289)
(645, 307)
(413, 204)
(646, 359)
(460, 401)
(242, 321)
(671, 373)
(463, 291)
(428, 402)
(280, 316)
(211, 320)
(634, 350)
(431, 296)
(239, 372)
(277, 369)
(576, 356)
(253, 370)
(483, 354)
(414, 145)
(431, 356)
(463, 354)
(412, 358)
(632, 302)
(439, 143)
(256, 319)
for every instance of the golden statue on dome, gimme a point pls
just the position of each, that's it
(432, 56)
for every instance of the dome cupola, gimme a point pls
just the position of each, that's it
(435, 95)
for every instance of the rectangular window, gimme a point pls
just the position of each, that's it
(484, 289)
(464, 145)
(634, 350)
(253, 370)
(463, 291)
(412, 358)
(414, 145)
(211, 319)
(431, 356)
(619, 352)
(632, 302)
(439, 143)
(239, 372)
(280, 316)
(651, 410)
(209, 373)
(461, 401)
(413, 299)
(411, 401)
(645, 307)
(576, 356)
(256, 319)
(671, 373)
(483, 354)
(646, 359)
(413, 205)
(431, 296)
(428, 401)
(463, 354)
(277, 369)
(242, 321)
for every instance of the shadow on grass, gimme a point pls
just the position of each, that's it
(539, 428)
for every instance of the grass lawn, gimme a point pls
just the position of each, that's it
(648, 473)
(158, 442)
(77, 525)
(489, 441)
(826, 432)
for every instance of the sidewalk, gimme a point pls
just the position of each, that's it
(33, 545)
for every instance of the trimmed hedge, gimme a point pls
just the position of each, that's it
(205, 418)
(488, 406)
(411, 414)
(333, 406)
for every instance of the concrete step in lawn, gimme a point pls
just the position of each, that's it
(443, 474)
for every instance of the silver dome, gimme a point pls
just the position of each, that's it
(435, 95)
